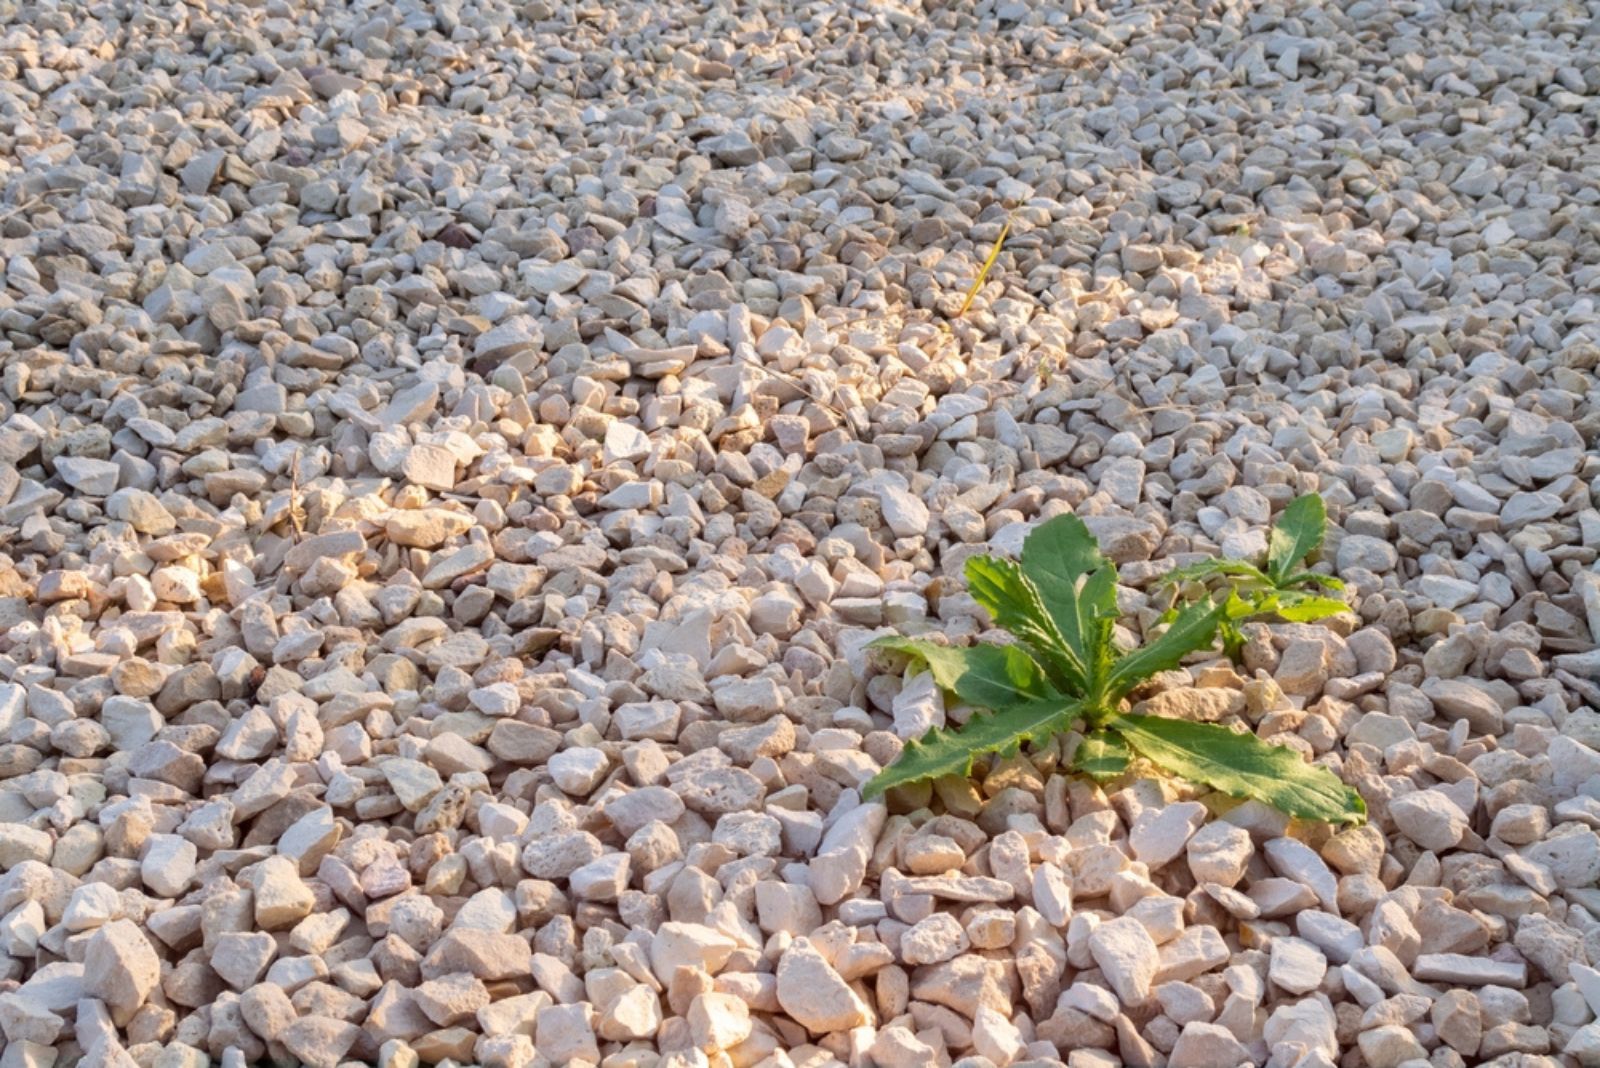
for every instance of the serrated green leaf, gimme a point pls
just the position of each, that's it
(990, 676)
(1102, 755)
(1195, 628)
(950, 752)
(1063, 547)
(1313, 578)
(1307, 608)
(1244, 766)
(1209, 569)
(1237, 607)
(1105, 651)
(1078, 588)
(1295, 535)
(1232, 639)
(1014, 603)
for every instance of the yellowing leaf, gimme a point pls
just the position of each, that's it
(1307, 608)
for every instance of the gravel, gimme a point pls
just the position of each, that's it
(452, 458)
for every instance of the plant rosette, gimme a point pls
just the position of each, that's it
(1065, 670)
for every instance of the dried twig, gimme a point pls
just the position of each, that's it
(31, 202)
(795, 382)
(988, 265)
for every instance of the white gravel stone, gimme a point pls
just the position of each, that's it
(1207, 1045)
(445, 505)
(1125, 952)
(1469, 971)
(168, 864)
(719, 1021)
(578, 771)
(1296, 965)
(936, 938)
(905, 514)
(1295, 860)
(812, 992)
(677, 945)
(1218, 853)
(1159, 835)
(120, 966)
(1429, 818)
(94, 478)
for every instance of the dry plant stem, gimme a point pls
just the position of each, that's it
(795, 382)
(988, 265)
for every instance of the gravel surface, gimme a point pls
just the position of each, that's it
(452, 456)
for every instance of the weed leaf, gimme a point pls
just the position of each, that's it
(1306, 607)
(1313, 578)
(990, 676)
(1244, 766)
(950, 752)
(1235, 608)
(1102, 755)
(1076, 584)
(1208, 569)
(1296, 535)
(1194, 629)
(1015, 604)
(1060, 602)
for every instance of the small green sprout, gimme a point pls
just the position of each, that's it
(1280, 586)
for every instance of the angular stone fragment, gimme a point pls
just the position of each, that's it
(813, 994)
(718, 1021)
(675, 945)
(1296, 965)
(282, 898)
(1125, 952)
(120, 967)
(484, 954)
(412, 781)
(1207, 1045)
(95, 478)
(319, 1041)
(1429, 818)
(1160, 834)
(1295, 860)
(1457, 699)
(1218, 853)
(566, 1033)
(241, 958)
(451, 999)
(936, 938)
(1469, 971)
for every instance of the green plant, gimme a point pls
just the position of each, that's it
(1280, 585)
(1065, 670)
